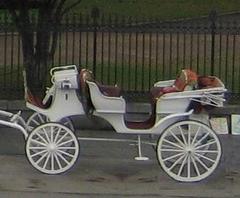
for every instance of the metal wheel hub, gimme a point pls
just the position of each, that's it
(189, 150)
(52, 147)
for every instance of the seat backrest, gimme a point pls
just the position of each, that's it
(84, 76)
(103, 103)
(205, 82)
(186, 78)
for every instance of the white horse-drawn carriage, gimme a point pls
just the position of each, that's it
(187, 149)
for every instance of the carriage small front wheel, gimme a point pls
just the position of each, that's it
(188, 151)
(52, 148)
(37, 119)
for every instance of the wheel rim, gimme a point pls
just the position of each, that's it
(37, 119)
(48, 148)
(188, 151)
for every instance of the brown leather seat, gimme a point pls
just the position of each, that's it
(187, 77)
(207, 82)
(110, 91)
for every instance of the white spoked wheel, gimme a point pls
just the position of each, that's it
(48, 148)
(189, 151)
(37, 119)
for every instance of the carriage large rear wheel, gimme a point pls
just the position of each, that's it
(189, 151)
(52, 148)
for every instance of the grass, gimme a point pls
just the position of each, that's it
(161, 9)
(156, 9)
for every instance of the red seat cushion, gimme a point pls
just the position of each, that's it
(207, 82)
(142, 125)
(35, 100)
(157, 92)
(110, 91)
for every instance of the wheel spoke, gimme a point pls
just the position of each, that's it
(172, 143)
(51, 134)
(40, 117)
(199, 141)
(37, 147)
(195, 166)
(66, 142)
(182, 165)
(42, 138)
(30, 128)
(36, 122)
(195, 136)
(63, 158)
(37, 142)
(56, 137)
(176, 162)
(168, 146)
(61, 138)
(173, 156)
(39, 153)
(182, 134)
(204, 157)
(67, 147)
(189, 134)
(41, 158)
(177, 138)
(57, 160)
(172, 150)
(46, 134)
(65, 153)
(207, 151)
(188, 166)
(200, 162)
(66, 123)
(45, 164)
(52, 162)
(207, 144)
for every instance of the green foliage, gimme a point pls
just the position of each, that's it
(161, 9)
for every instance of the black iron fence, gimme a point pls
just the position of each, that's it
(133, 53)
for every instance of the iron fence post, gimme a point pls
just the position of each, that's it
(94, 15)
(213, 18)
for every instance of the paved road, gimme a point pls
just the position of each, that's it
(108, 170)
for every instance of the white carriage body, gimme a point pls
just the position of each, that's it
(170, 107)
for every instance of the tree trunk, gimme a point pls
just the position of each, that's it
(38, 43)
(38, 52)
